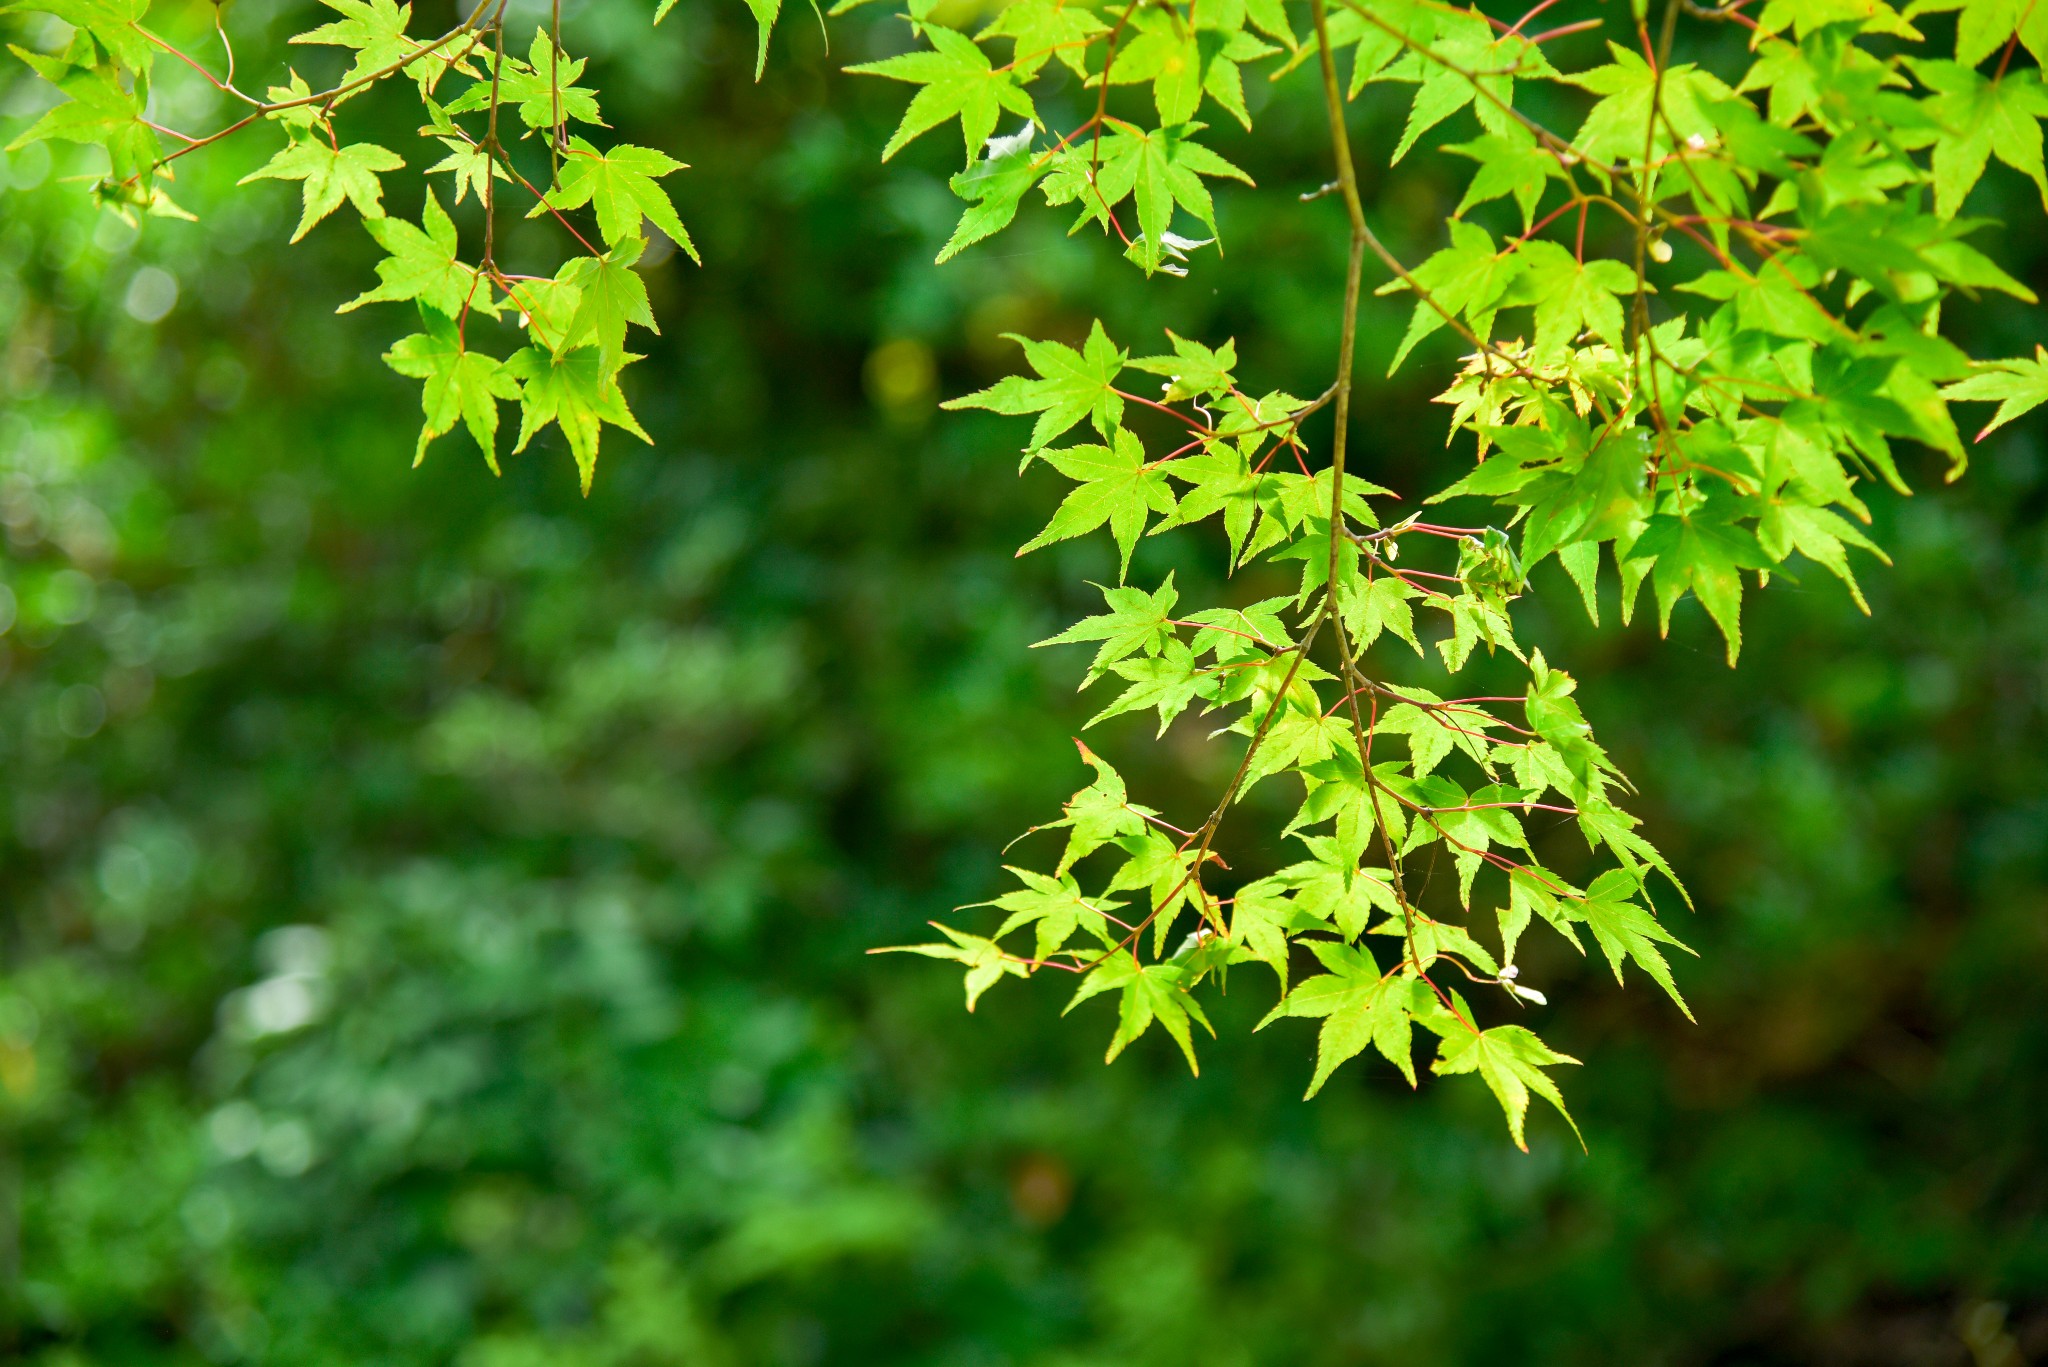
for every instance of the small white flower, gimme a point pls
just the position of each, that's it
(1697, 142)
(1173, 248)
(1529, 994)
(1002, 147)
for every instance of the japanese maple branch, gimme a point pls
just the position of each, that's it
(1646, 176)
(1361, 238)
(325, 97)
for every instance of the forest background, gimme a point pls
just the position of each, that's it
(432, 907)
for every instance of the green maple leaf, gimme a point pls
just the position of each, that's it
(1165, 51)
(423, 265)
(1148, 992)
(1707, 556)
(1071, 385)
(1162, 868)
(620, 183)
(1056, 907)
(459, 384)
(330, 174)
(1241, 633)
(1371, 606)
(610, 295)
(548, 307)
(1509, 164)
(993, 187)
(1270, 18)
(1253, 422)
(1870, 241)
(1046, 29)
(1300, 736)
(1466, 41)
(1160, 169)
(1470, 824)
(1222, 481)
(1185, 62)
(1358, 1007)
(1511, 1061)
(1853, 172)
(575, 392)
(2018, 386)
(536, 88)
(1605, 824)
(1488, 822)
(301, 117)
(1424, 941)
(1821, 536)
(1098, 814)
(1431, 731)
(1474, 618)
(472, 167)
(435, 62)
(1955, 261)
(113, 25)
(97, 112)
(1776, 300)
(765, 13)
(1756, 142)
(1117, 487)
(1534, 891)
(1468, 278)
(1854, 392)
(1136, 621)
(1225, 83)
(1594, 494)
(1409, 22)
(374, 28)
(1555, 717)
(546, 87)
(1222, 80)
(1261, 917)
(1359, 805)
(1809, 16)
(1792, 85)
(1618, 125)
(1193, 370)
(1626, 931)
(1168, 681)
(987, 962)
(1342, 896)
(1985, 25)
(957, 79)
(1570, 296)
(1981, 117)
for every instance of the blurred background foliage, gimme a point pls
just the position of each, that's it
(432, 907)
